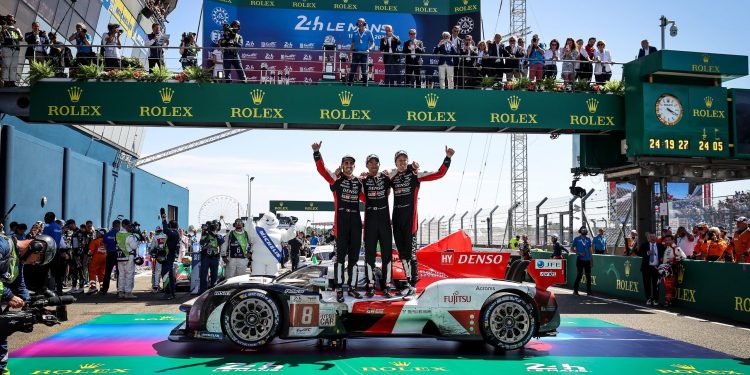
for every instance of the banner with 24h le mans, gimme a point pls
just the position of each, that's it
(271, 26)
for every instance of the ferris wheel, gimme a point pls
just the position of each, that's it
(223, 208)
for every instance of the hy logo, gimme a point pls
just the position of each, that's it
(89, 366)
(514, 102)
(346, 98)
(74, 93)
(592, 104)
(431, 99)
(257, 95)
(706, 59)
(627, 268)
(709, 101)
(166, 95)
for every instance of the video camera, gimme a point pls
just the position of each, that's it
(34, 312)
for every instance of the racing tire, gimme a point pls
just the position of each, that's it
(507, 321)
(250, 319)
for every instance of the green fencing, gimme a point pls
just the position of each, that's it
(717, 289)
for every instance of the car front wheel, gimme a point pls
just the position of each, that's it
(250, 319)
(507, 321)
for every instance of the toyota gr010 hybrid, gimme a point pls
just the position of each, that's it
(461, 295)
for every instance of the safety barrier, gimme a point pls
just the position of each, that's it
(713, 288)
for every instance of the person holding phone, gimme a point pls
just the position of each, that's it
(446, 51)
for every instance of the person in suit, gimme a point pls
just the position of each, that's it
(389, 47)
(412, 49)
(38, 43)
(651, 254)
(466, 63)
(445, 61)
(498, 53)
(645, 49)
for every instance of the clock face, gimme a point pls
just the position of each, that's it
(669, 109)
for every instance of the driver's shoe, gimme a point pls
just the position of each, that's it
(387, 292)
(352, 292)
(370, 291)
(340, 295)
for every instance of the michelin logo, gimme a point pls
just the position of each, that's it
(555, 264)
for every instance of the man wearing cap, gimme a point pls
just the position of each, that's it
(557, 249)
(376, 188)
(362, 43)
(347, 224)
(127, 248)
(600, 242)
(741, 241)
(235, 250)
(583, 247)
(110, 241)
(405, 185)
(701, 245)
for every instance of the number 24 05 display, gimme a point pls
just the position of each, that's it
(684, 144)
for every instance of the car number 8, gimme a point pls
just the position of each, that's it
(305, 315)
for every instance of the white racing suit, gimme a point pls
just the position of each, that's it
(126, 265)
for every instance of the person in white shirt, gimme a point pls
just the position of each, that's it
(217, 57)
(127, 246)
(686, 241)
(603, 66)
(551, 57)
(113, 47)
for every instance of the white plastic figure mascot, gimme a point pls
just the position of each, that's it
(266, 244)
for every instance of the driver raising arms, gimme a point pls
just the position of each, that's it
(347, 225)
(405, 187)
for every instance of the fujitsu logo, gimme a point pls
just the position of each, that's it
(456, 298)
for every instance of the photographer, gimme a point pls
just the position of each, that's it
(173, 246)
(231, 42)
(75, 239)
(535, 53)
(112, 47)
(13, 255)
(38, 44)
(209, 256)
(156, 41)
(82, 40)
(188, 50)
(59, 55)
(10, 39)
(236, 250)
(158, 251)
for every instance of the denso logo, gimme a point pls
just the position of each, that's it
(480, 259)
(549, 264)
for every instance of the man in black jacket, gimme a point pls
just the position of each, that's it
(391, 59)
(38, 43)
(651, 254)
(645, 49)
(498, 53)
(413, 48)
(173, 247)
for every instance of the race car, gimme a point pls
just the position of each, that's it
(460, 296)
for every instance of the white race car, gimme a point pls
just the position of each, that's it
(460, 296)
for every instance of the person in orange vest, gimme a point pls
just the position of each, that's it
(97, 266)
(740, 244)
(714, 246)
(701, 246)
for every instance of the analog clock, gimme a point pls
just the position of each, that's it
(669, 109)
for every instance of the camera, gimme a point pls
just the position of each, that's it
(673, 30)
(34, 312)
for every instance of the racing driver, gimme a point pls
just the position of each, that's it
(405, 186)
(347, 225)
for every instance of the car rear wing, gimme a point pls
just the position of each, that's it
(547, 272)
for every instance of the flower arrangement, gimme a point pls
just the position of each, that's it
(196, 73)
(614, 87)
(159, 74)
(131, 62)
(523, 83)
(40, 70)
(597, 88)
(581, 85)
(140, 75)
(487, 82)
(549, 83)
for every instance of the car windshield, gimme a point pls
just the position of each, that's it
(302, 276)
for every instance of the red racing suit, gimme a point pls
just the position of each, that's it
(405, 187)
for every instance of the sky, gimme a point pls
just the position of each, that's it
(281, 160)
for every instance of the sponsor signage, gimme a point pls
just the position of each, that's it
(276, 206)
(299, 107)
(123, 16)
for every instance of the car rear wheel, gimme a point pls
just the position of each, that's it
(507, 321)
(250, 319)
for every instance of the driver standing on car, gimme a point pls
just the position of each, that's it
(405, 194)
(347, 224)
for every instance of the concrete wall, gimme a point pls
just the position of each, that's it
(74, 173)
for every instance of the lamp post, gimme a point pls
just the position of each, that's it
(249, 196)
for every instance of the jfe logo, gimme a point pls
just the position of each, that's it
(549, 263)
(446, 258)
